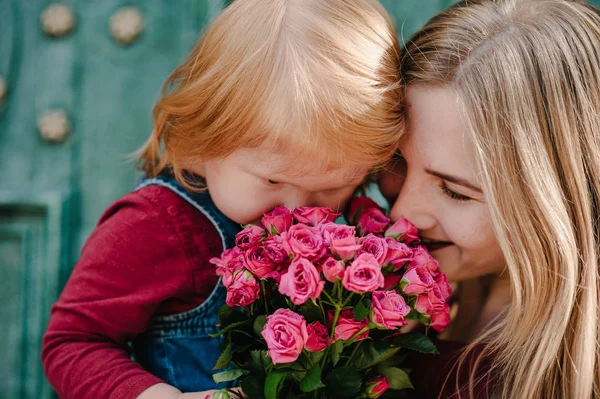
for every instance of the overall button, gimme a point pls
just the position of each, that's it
(57, 20)
(53, 125)
(3, 89)
(126, 24)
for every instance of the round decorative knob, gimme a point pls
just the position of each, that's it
(3, 89)
(58, 20)
(126, 24)
(54, 125)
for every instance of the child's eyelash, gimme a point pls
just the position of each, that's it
(452, 194)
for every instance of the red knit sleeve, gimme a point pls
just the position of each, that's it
(134, 265)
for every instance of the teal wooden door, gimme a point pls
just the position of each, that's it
(77, 84)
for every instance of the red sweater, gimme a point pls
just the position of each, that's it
(148, 255)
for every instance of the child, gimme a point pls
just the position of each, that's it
(282, 102)
(501, 175)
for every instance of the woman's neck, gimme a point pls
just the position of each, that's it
(480, 302)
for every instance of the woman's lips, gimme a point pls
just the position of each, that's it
(434, 245)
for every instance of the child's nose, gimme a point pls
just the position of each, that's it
(298, 198)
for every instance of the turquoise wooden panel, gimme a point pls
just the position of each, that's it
(32, 266)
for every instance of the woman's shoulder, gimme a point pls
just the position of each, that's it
(438, 376)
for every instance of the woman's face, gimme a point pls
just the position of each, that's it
(441, 191)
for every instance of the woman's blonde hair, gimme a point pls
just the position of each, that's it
(319, 77)
(527, 73)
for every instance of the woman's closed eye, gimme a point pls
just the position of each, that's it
(453, 194)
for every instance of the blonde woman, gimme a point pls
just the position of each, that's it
(282, 102)
(501, 171)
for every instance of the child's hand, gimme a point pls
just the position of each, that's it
(196, 395)
(203, 394)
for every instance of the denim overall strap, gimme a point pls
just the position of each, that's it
(178, 348)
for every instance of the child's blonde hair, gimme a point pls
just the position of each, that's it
(527, 73)
(319, 77)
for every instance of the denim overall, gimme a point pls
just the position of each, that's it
(177, 348)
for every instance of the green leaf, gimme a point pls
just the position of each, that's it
(415, 341)
(342, 383)
(361, 312)
(225, 312)
(272, 384)
(274, 230)
(373, 353)
(224, 358)
(336, 351)
(259, 324)
(229, 328)
(312, 380)
(228, 375)
(311, 312)
(397, 378)
(253, 387)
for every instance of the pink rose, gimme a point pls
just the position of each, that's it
(418, 280)
(431, 302)
(358, 205)
(376, 387)
(341, 239)
(304, 241)
(440, 320)
(259, 263)
(422, 257)
(279, 219)
(285, 333)
(244, 289)
(333, 269)
(347, 326)
(251, 236)
(273, 246)
(318, 337)
(389, 310)
(230, 262)
(442, 282)
(301, 282)
(372, 220)
(403, 230)
(398, 254)
(363, 275)
(376, 246)
(314, 216)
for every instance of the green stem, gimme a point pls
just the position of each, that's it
(351, 340)
(328, 297)
(336, 315)
(349, 361)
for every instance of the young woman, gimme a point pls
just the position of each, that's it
(500, 171)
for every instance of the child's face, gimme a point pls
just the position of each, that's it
(252, 181)
(441, 193)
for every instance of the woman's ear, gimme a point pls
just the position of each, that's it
(391, 178)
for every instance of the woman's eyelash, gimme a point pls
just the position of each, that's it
(272, 182)
(455, 196)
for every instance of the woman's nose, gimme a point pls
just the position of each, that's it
(413, 203)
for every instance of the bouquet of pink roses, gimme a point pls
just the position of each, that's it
(314, 308)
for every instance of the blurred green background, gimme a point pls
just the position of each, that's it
(77, 83)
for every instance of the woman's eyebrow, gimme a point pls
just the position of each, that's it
(456, 180)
